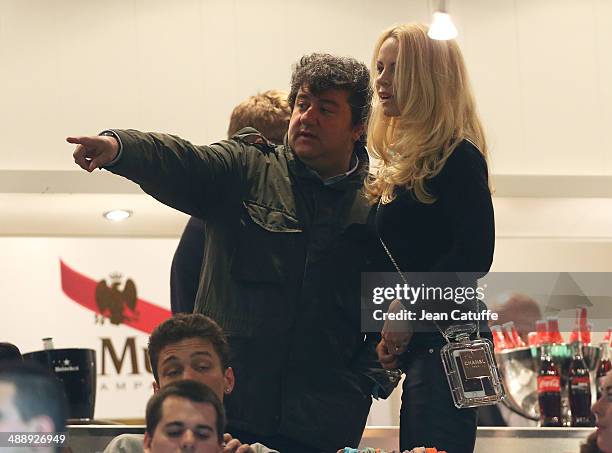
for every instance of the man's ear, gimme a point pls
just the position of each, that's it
(155, 386)
(147, 442)
(229, 381)
(358, 130)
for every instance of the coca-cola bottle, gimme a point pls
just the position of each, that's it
(586, 334)
(604, 365)
(542, 331)
(553, 330)
(509, 340)
(513, 332)
(549, 389)
(499, 339)
(579, 388)
(532, 339)
(608, 335)
(582, 329)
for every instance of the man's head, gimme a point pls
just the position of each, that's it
(8, 351)
(191, 346)
(518, 308)
(330, 101)
(184, 416)
(268, 112)
(31, 400)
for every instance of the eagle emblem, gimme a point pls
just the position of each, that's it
(116, 304)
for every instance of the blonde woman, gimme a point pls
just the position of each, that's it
(431, 208)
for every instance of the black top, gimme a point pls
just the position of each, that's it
(456, 233)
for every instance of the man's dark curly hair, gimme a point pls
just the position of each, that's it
(321, 71)
(184, 326)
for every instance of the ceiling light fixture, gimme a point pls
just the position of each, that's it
(442, 28)
(117, 215)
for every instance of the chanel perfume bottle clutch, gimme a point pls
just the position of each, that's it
(470, 368)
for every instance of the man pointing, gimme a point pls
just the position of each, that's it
(284, 249)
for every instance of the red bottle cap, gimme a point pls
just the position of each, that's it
(498, 339)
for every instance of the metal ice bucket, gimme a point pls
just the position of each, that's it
(76, 369)
(519, 370)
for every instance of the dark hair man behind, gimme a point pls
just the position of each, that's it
(269, 113)
(8, 351)
(286, 242)
(31, 400)
(184, 416)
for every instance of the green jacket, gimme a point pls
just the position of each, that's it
(281, 275)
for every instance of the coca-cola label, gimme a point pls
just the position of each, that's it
(549, 384)
(580, 382)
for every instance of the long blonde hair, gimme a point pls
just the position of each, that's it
(437, 112)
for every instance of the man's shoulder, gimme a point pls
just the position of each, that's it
(252, 137)
(126, 443)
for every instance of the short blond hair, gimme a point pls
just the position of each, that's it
(268, 112)
(437, 112)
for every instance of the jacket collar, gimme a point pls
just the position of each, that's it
(352, 178)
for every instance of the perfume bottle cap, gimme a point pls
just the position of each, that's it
(460, 332)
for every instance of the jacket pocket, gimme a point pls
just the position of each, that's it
(266, 244)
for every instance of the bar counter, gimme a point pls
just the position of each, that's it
(93, 438)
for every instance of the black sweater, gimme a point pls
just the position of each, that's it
(456, 233)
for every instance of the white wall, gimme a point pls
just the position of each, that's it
(541, 69)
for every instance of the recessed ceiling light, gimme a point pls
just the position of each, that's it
(117, 215)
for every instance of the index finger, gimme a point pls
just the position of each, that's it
(83, 140)
(231, 446)
(387, 358)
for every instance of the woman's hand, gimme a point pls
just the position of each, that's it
(388, 360)
(396, 334)
(396, 342)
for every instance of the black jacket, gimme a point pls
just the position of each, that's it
(186, 265)
(281, 274)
